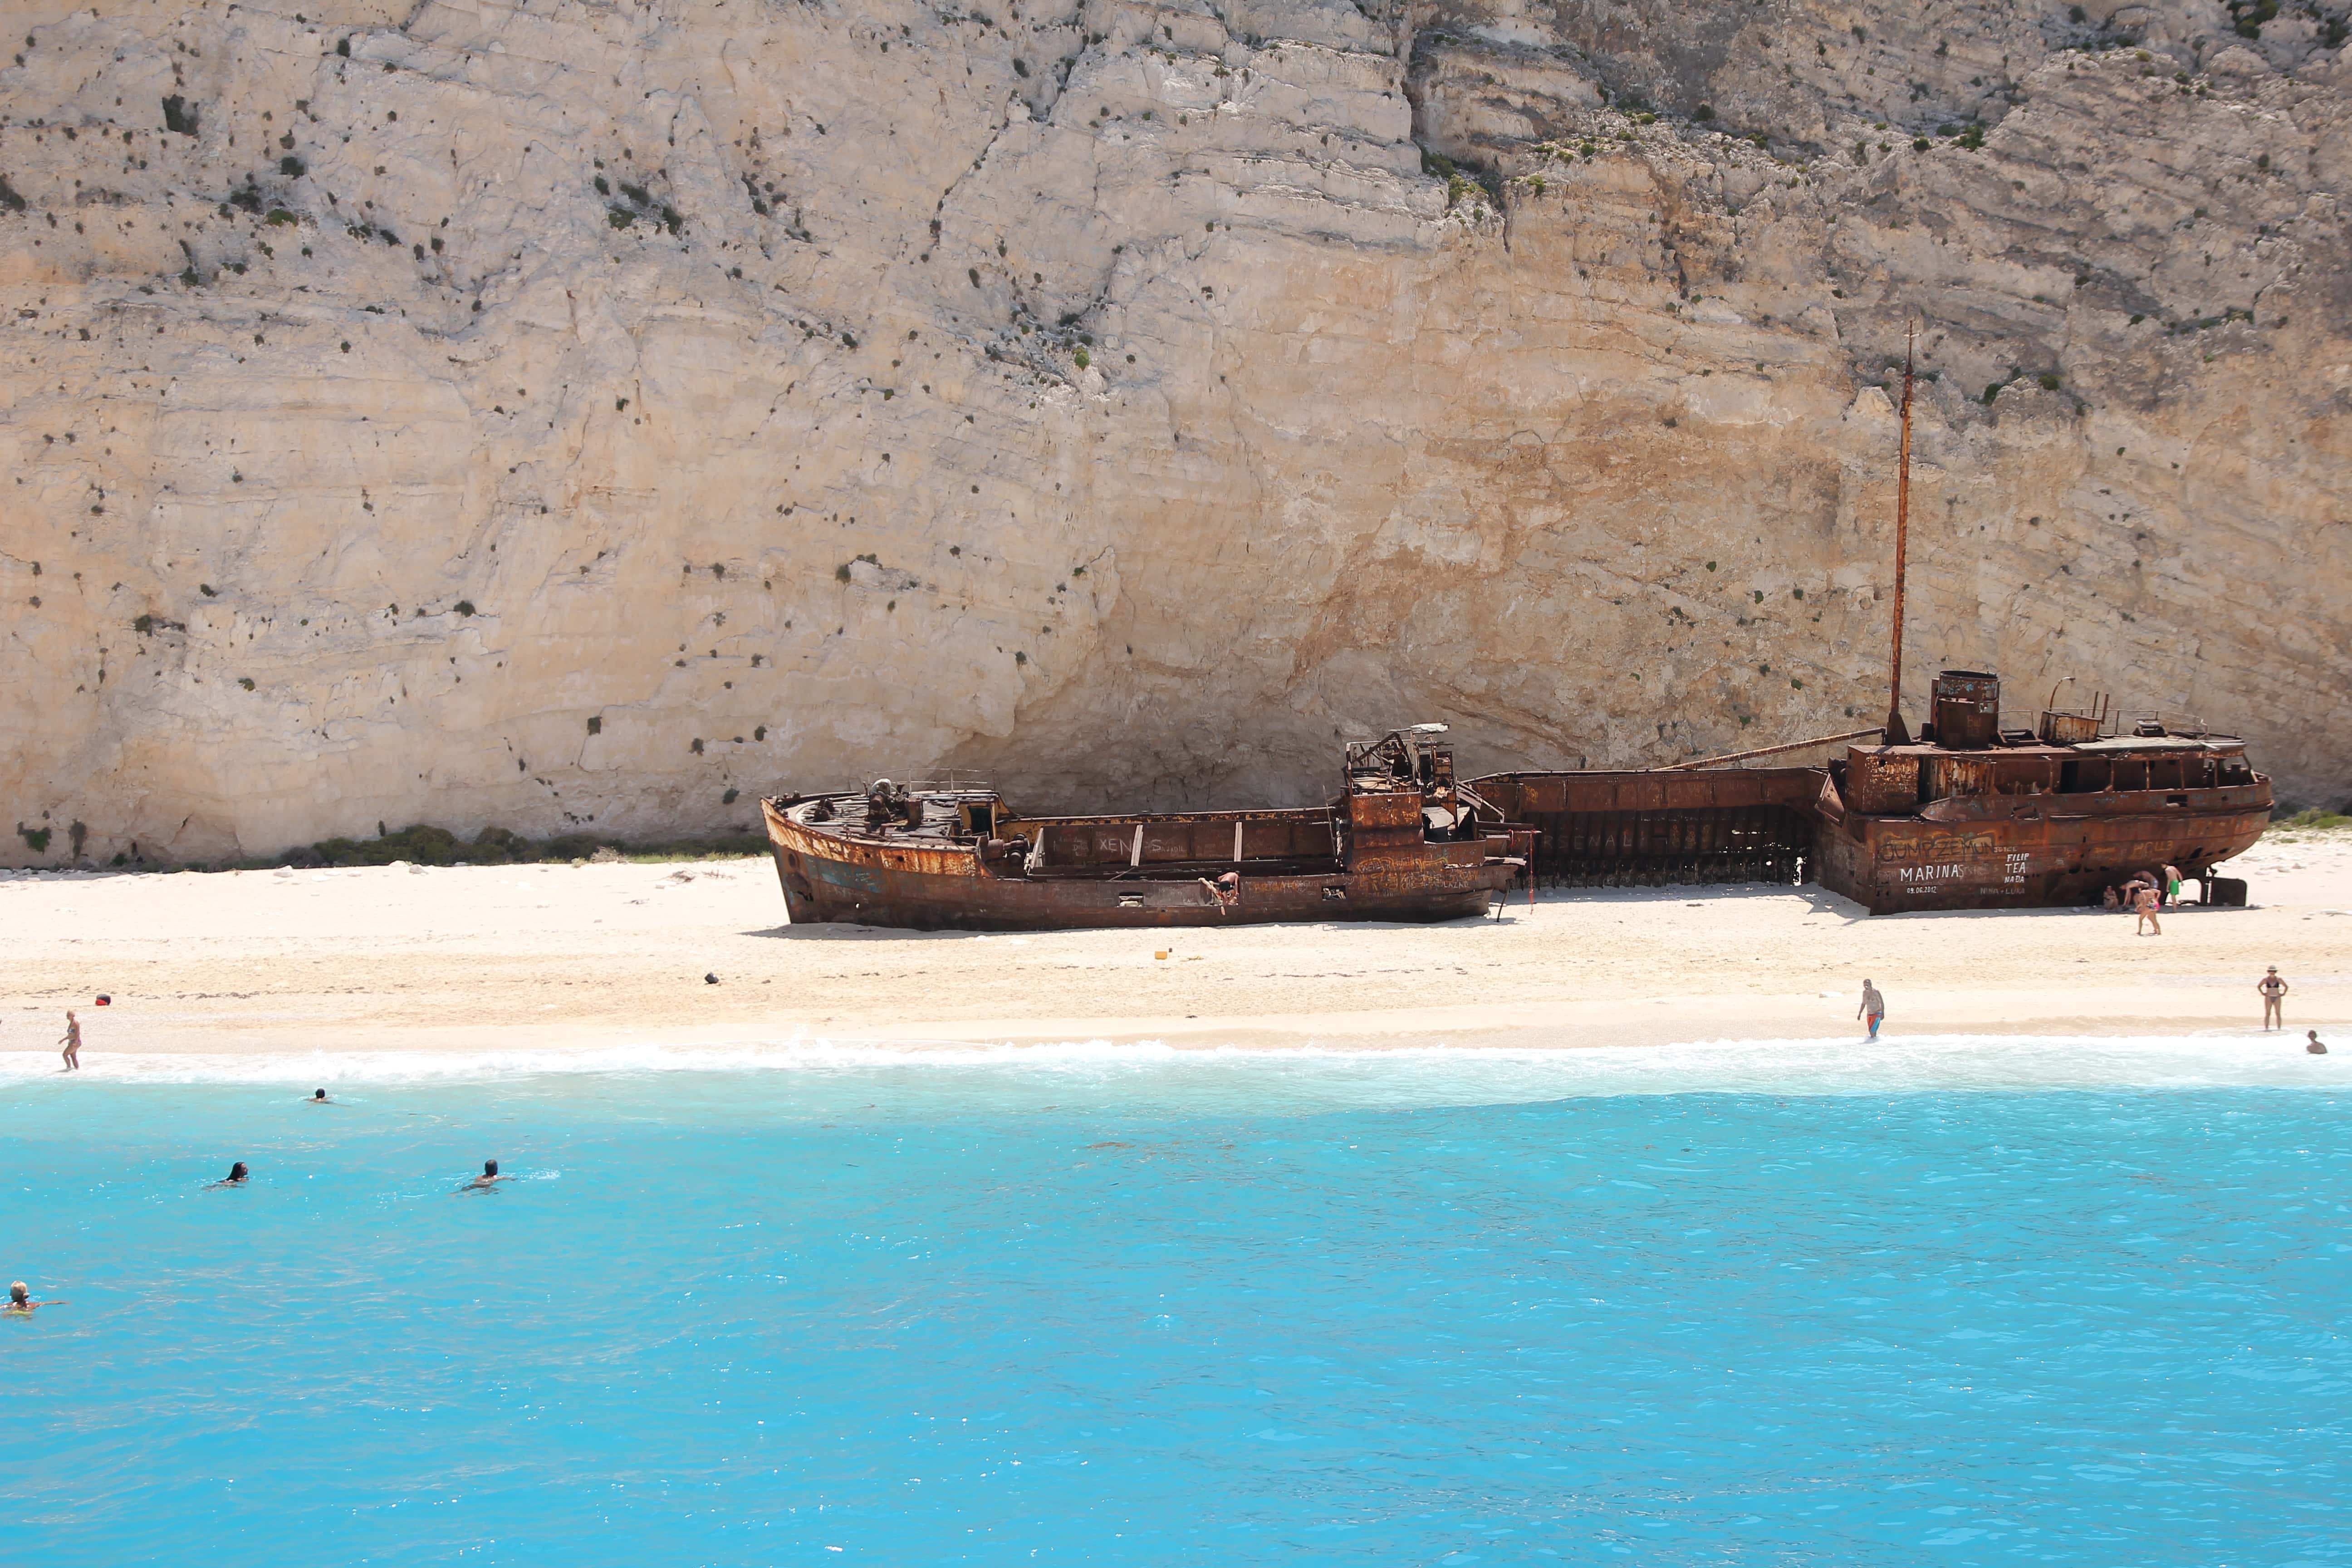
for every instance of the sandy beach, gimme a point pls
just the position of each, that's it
(559, 957)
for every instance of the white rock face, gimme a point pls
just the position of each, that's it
(583, 417)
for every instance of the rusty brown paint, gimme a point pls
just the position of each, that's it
(1903, 827)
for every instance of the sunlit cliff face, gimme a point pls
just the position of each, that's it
(587, 416)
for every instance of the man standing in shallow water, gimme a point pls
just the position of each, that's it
(1873, 1007)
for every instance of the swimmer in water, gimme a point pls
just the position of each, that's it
(21, 1302)
(2313, 1046)
(235, 1177)
(318, 1096)
(489, 1179)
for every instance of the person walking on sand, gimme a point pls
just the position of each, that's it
(2145, 904)
(2274, 992)
(1873, 1008)
(21, 1302)
(71, 1041)
(2173, 886)
(2312, 1044)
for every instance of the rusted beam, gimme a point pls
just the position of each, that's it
(1768, 751)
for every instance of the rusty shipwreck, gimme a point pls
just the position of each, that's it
(1398, 843)
(1973, 815)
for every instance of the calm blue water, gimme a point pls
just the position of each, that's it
(1213, 1310)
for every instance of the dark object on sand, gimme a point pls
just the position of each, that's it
(103, 1000)
(1400, 842)
(712, 979)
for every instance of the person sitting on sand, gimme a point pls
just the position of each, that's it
(1873, 1007)
(20, 1300)
(489, 1179)
(2145, 904)
(2112, 898)
(2274, 992)
(235, 1177)
(71, 1041)
(2313, 1045)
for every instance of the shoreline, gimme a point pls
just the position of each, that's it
(561, 958)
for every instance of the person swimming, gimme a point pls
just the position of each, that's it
(2316, 1046)
(489, 1179)
(318, 1096)
(235, 1177)
(20, 1300)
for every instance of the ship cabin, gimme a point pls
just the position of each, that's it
(1963, 752)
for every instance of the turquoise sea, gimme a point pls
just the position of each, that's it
(1943, 1302)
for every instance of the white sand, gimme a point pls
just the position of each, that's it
(541, 957)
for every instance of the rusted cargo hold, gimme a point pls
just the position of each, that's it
(1610, 830)
(1397, 843)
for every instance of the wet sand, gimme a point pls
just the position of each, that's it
(538, 957)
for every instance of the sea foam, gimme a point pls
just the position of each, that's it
(1309, 1074)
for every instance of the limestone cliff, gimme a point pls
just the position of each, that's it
(581, 412)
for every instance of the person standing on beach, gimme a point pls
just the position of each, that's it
(2274, 992)
(1873, 1008)
(2145, 904)
(2173, 886)
(71, 1041)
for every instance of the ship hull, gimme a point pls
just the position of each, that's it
(2033, 851)
(826, 879)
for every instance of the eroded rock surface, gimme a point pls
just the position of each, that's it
(586, 415)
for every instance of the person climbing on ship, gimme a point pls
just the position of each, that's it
(2274, 992)
(1873, 1008)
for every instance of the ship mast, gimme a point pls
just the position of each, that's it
(1896, 735)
